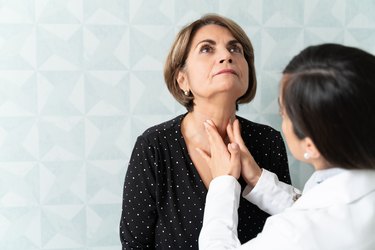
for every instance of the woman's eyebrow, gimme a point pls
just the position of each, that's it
(234, 41)
(210, 41)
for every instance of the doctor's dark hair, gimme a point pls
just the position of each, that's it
(329, 96)
(179, 51)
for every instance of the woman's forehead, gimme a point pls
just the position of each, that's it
(213, 32)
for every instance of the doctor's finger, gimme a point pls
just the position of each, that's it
(236, 129)
(214, 138)
(204, 155)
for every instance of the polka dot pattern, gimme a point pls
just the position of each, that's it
(164, 196)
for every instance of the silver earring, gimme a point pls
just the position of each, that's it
(186, 92)
(306, 156)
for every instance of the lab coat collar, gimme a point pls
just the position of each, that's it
(321, 175)
(343, 187)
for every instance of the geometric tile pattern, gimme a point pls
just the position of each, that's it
(81, 79)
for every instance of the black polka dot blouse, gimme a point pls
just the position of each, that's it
(164, 196)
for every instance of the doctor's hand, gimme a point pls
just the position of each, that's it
(250, 170)
(222, 160)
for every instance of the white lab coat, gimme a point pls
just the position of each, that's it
(338, 213)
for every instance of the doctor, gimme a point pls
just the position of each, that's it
(327, 106)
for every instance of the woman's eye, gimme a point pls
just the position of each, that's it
(235, 49)
(206, 49)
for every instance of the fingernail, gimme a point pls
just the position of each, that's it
(205, 124)
(210, 122)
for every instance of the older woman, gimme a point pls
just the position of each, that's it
(327, 106)
(209, 70)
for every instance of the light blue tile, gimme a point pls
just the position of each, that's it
(81, 79)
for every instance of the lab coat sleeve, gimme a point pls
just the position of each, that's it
(270, 194)
(220, 220)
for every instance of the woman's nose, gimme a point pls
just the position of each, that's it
(225, 55)
(229, 60)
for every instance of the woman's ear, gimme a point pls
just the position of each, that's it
(311, 151)
(182, 81)
(313, 156)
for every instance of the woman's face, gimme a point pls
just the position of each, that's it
(299, 147)
(295, 145)
(215, 66)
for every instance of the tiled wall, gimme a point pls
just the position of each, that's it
(81, 79)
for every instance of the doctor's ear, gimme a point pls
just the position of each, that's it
(311, 151)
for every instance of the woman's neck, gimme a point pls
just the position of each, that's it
(193, 128)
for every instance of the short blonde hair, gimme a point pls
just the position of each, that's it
(180, 49)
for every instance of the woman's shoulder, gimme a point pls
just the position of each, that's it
(169, 128)
(256, 128)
